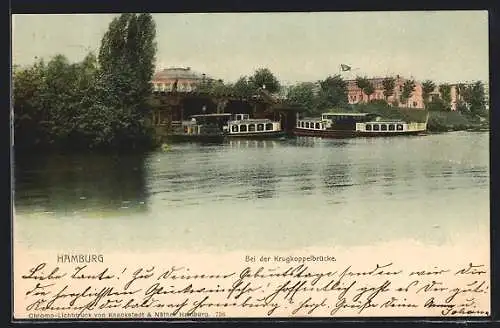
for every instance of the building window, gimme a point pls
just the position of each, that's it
(391, 127)
(383, 127)
(269, 126)
(307, 125)
(243, 128)
(317, 126)
(375, 127)
(260, 127)
(251, 127)
(368, 127)
(400, 127)
(234, 128)
(415, 104)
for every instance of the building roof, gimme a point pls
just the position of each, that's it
(178, 73)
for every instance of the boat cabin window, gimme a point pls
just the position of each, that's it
(243, 128)
(307, 125)
(368, 127)
(260, 127)
(391, 127)
(302, 124)
(375, 127)
(251, 127)
(400, 127)
(383, 127)
(318, 126)
(234, 128)
(269, 126)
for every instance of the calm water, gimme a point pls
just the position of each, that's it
(259, 194)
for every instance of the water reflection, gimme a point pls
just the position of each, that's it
(252, 143)
(263, 181)
(336, 177)
(303, 179)
(262, 193)
(72, 184)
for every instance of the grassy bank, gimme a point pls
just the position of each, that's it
(454, 121)
(439, 121)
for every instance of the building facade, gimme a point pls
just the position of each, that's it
(356, 95)
(179, 78)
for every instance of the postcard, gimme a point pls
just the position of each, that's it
(250, 165)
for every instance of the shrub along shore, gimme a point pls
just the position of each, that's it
(439, 121)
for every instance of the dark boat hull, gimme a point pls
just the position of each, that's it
(350, 133)
(257, 135)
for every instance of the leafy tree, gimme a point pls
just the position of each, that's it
(408, 89)
(303, 95)
(99, 102)
(362, 83)
(215, 87)
(437, 104)
(369, 90)
(389, 83)
(460, 90)
(28, 88)
(445, 92)
(243, 87)
(427, 88)
(475, 98)
(126, 59)
(332, 93)
(263, 77)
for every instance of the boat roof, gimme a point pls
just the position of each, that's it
(310, 119)
(211, 115)
(348, 114)
(252, 120)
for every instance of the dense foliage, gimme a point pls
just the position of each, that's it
(98, 103)
(316, 98)
(408, 89)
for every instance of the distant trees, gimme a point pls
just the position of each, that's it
(303, 95)
(470, 98)
(474, 97)
(408, 89)
(315, 98)
(427, 88)
(389, 83)
(445, 92)
(364, 84)
(263, 78)
(247, 86)
(332, 93)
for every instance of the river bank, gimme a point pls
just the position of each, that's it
(454, 121)
(438, 121)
